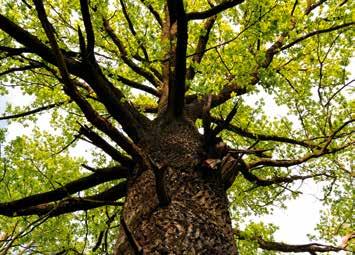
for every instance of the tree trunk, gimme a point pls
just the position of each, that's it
(192, 216)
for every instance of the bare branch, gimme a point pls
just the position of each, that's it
(297, 248)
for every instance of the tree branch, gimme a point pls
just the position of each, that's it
(201, 46)
(283, 247)
(247, 174)
(153, 12)
(124, 56)
(21, 68)
(262, 137)
(137, 85)
(105, 146)
(110, 95)
(100, 176)
(311, 7)
(133, 31)
(313, 33)
(90, 37)
(214, 10)
(13, 51)
(293, 162)
(31, 42)
(296, 248)
(33, 111)
(73, 204)
(176, 95)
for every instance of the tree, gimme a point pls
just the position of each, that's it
(172, 95)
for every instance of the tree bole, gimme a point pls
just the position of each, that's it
(196, 218)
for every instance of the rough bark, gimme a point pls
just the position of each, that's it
(195, 220)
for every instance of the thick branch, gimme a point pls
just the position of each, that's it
(90, 37)
(110, 95)
(13, 51)
(294, 162)
(74, 204)
(100, 176)
(214, 10)
(25, 38)
(177, 18)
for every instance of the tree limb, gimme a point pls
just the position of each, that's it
(107, 92)
(317, 32)
(100, 176)
(262, 137)
(33, 111)
(313, 6)
(177, 17)
(73, 204)
(214, 10)
(133, 31)
(124, 56)
(284, 247)
(90, 37)
(296, 248)
(201, 46)
(105, 146)
(21, 68)
(153, 12)
(137, 85)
